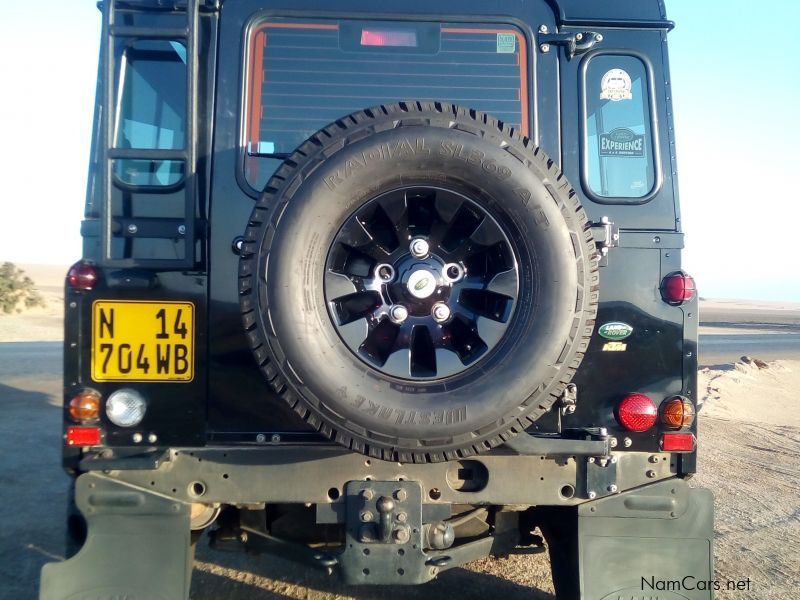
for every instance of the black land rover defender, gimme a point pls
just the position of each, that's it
(384, 287)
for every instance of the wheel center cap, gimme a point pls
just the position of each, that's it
(421, 283)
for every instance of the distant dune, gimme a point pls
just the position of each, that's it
(719, 316)
(721, 304)
(47, 277)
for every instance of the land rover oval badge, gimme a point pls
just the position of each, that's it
(615, 331)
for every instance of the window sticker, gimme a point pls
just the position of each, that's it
(621, 142)
(615, 85)
(506, 43)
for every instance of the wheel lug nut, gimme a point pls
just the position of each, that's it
(419, 248)
(384, 272)
(452, 272)
(398, 313)
(440, 312)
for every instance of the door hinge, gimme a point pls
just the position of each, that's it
(574, 44)
(606, 236)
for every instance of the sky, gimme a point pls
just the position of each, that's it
(736, 92)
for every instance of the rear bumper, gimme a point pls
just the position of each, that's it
(138, 542)
(317, 474)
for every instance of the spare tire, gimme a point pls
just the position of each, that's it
(418, 282)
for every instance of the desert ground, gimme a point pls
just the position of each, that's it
(749, 443)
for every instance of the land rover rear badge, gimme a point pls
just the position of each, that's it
(615, 331)
(616, 85)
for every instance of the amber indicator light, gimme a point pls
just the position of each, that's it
(85, 407)
(677, 412)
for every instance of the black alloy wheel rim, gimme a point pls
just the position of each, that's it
(421, 283)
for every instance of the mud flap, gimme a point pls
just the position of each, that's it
(654, 541)
(137, 546)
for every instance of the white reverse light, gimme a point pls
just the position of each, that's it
(126, 407)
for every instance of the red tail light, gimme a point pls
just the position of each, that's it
(82, 276)
(83, 436)
(637, 412)
(677, 288)
(678, 442)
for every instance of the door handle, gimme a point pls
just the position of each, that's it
(574, 44)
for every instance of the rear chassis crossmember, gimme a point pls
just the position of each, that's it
(138, 508)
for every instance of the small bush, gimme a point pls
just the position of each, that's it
(17, 288)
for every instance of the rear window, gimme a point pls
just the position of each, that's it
(152, 110)
(304, 75)
(619, 154)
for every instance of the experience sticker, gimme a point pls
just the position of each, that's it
(621, 142)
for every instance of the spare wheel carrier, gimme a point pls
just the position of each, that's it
(418, 282)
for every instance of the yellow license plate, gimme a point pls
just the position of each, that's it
(142, 341)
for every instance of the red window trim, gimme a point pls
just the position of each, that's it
(522, 59)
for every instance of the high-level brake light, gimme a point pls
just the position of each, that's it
(82, 276)
(636, 412)
(677, 288)
(400, 38)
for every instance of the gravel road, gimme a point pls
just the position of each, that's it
(752, 469)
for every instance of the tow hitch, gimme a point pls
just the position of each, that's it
(384, 542)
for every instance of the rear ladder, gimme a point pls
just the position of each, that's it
(127, 226)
